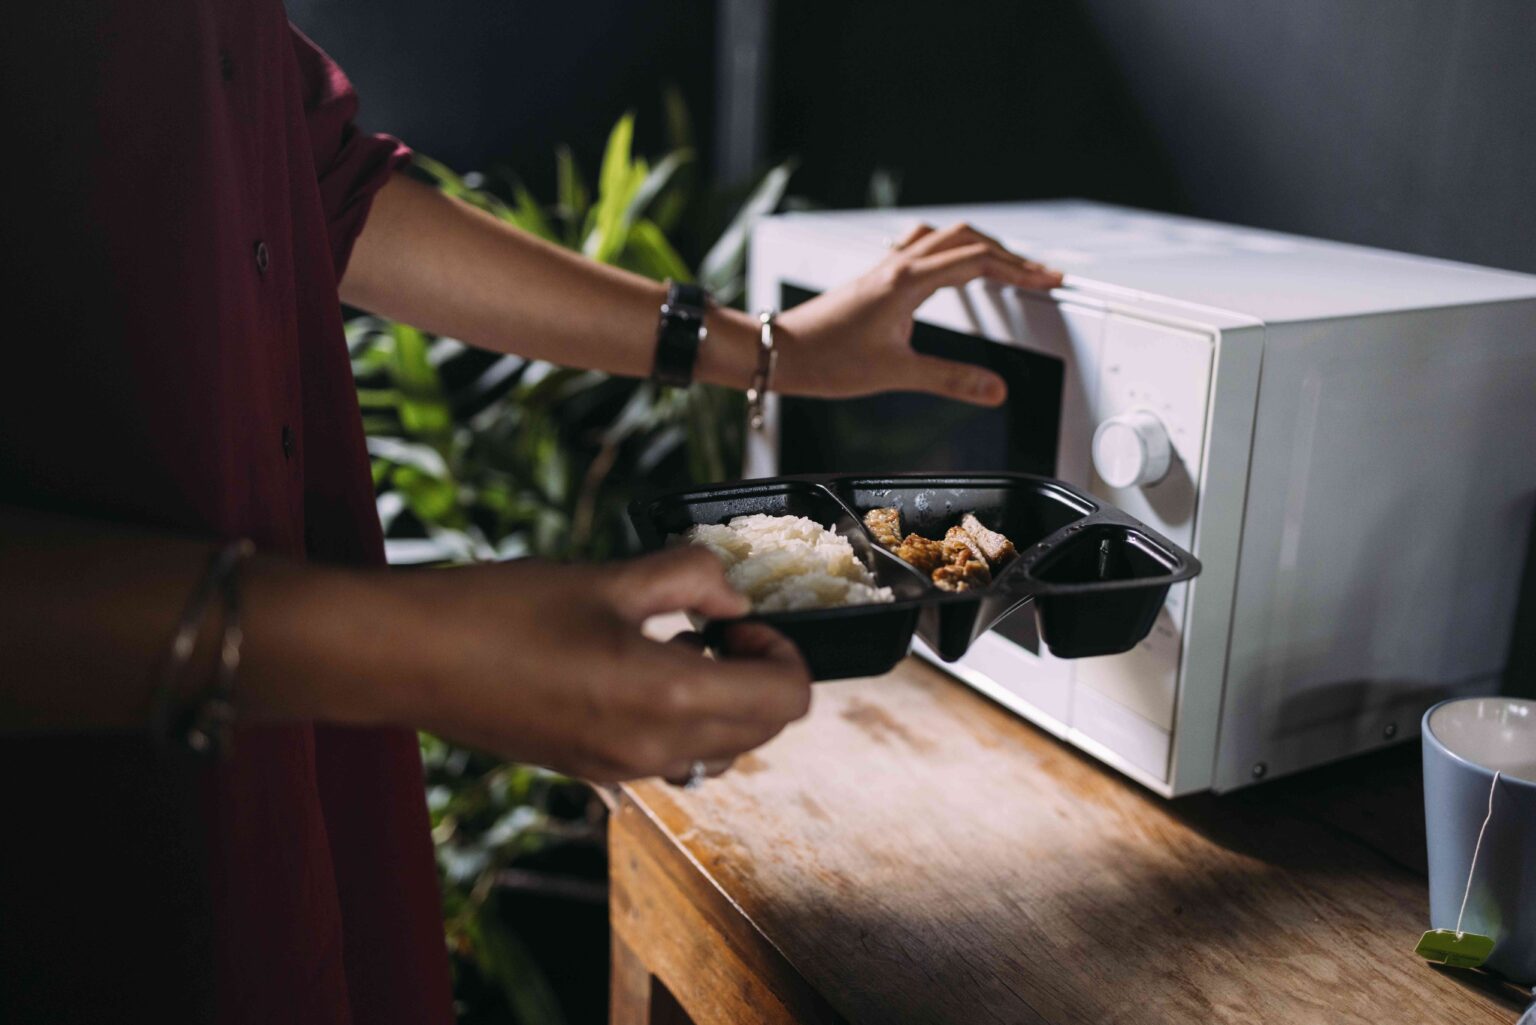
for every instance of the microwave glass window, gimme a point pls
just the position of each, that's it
(907, 431)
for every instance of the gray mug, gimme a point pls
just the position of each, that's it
(1465, 741)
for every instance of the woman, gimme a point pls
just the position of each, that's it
(196, 202)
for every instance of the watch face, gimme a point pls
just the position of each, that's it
(688, 300)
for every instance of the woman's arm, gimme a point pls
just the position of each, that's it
(91, 607)
(444, 266)
(533, 661)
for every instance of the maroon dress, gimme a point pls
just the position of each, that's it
(183, 187)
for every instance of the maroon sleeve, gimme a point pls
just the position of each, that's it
(350, 165)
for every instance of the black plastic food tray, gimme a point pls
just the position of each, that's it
(1095, 576)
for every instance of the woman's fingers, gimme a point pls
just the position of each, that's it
(953, 257)
(917, 231)
(685, 579)
(962, 382)
(690, 640)
(766, 685)
(681, 773)
(1009, 268)
(759, 640)
(955, 267)
(959, 234)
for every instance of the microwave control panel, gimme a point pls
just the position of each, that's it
(1150, 411)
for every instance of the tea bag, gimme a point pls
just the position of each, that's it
(1465, 949)
(1459, 950)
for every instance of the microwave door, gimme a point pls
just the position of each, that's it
(1044, 351)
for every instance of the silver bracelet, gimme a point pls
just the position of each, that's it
(762, 379)
(204, 728)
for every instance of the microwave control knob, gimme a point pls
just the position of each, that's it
(1131, 450)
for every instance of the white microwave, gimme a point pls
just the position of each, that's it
(1350, 441)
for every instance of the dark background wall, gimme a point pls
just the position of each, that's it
(1399, 123)
(488, 84)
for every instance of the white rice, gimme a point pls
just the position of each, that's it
(784, 563)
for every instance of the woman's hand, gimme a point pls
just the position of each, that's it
(545, 663)
(856, 338)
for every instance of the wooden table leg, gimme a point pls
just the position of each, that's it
(639, 998)
(682, 953)
(629, 986)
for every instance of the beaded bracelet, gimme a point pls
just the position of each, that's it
(204, 727)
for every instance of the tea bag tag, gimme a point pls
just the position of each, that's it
(1459, 950)
(1453, 946)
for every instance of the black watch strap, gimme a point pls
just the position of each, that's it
(679, 333)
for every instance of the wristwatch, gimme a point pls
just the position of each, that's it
(679, 333)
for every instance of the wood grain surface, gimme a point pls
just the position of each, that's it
(912, 853)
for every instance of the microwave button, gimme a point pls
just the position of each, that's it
(1131, 450)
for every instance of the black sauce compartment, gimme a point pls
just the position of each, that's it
(1096, 577)
(1100, 591)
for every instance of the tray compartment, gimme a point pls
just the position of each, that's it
(1024, 509)
(1099, 592)
(855, 640)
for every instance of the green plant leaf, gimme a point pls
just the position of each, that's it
(655, 183)
(722, 267)
(669, 208)
(505, 959)
(884, 188)
(658, 447)
(705, 459)
(361, 333)
(378, 398)
(650, 253)
(613, 177)
(679, 121)
(617, 183)
(570, 195)
(446, 178)
(432, 500)
(402, 452)
(423, 407)
(529, 215)
(456, 544)
(638, 414)
(390, 505)
(489, 385)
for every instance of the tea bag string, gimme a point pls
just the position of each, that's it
(1475, 849)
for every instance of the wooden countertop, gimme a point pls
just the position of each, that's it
(912, 853)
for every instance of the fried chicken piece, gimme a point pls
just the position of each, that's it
(957, 539)
(924, 553)
(964, 566)
(962, 561)
(964, 575)
(885, 525)
(994, 547)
